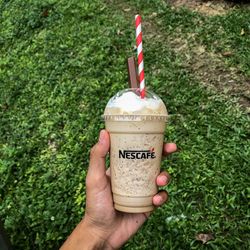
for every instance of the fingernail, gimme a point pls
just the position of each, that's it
(159, 198)
(164, 179)
(102, 137)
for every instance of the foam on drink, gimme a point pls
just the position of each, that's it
(129, 102)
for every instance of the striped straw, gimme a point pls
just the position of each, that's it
(140, 55)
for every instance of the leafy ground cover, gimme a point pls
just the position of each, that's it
(60, 63)
(213, 48)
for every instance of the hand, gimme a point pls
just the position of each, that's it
(103, 226)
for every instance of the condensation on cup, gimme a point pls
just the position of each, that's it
(136, 127)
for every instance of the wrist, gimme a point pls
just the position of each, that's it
(98, 236)
(86, 237)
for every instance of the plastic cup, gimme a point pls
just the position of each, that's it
(136, 127)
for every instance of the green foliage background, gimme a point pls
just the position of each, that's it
(60, 62)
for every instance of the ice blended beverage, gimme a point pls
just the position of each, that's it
(136, 126)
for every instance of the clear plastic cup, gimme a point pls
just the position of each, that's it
(136, 127)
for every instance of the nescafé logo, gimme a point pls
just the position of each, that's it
(137, 154)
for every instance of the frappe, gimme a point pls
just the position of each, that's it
(136, 127)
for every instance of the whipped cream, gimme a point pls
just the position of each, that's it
(129, 102)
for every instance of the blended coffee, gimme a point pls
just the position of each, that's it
(136, 128)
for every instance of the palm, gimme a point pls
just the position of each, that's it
(119, 226)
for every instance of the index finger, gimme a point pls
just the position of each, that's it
(169, 148)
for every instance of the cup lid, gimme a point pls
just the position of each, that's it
(129, 103)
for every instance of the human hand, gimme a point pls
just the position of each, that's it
(103, 227)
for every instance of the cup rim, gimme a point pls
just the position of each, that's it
(134, 117)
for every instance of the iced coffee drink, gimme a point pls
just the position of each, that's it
(136, 127)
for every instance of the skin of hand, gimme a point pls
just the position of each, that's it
(103, 227)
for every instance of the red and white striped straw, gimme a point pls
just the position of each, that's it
(140, 55)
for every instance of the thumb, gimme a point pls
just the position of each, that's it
(97, 168)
